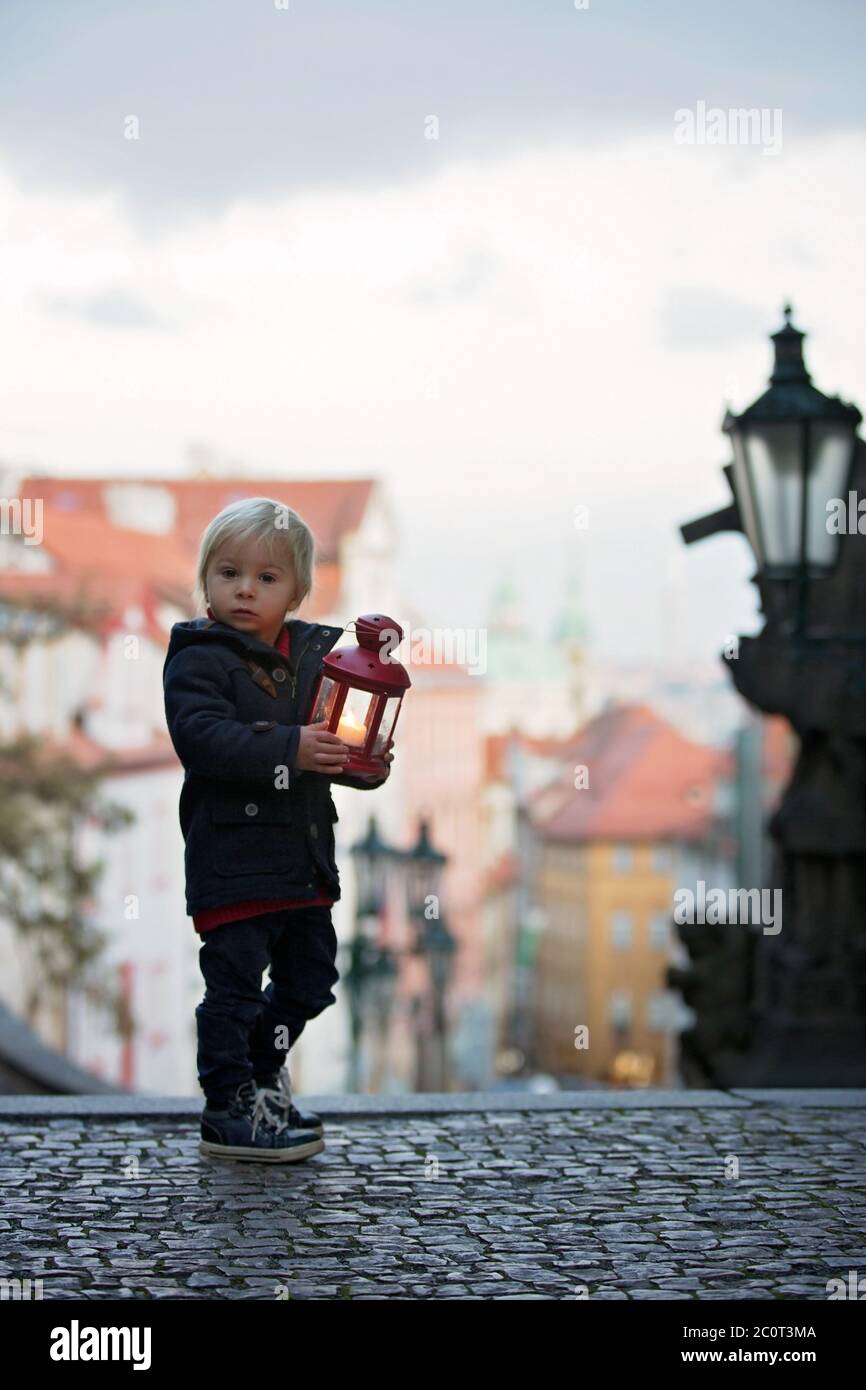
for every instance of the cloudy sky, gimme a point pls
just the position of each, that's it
(457, 246)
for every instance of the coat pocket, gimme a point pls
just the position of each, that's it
(257, 837)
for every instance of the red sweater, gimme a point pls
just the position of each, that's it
(215, 916)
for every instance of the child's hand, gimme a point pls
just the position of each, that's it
(319, 751)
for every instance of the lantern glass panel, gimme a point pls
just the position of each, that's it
(325, 700)
(832, 444)
(386, 727)
(768, 472)
(745, 496)
(355, 717)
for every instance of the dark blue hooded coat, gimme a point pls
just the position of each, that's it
(253, 826)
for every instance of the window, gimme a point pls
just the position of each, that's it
(623, 859)
(662, 859)
(660, 1010)
(619, 1007)
(620, 930)
(660, 931)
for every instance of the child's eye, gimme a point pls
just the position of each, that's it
(227, 572)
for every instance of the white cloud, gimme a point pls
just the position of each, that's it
(496, 339)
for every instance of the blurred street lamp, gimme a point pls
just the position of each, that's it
(371, 976)
(794, 450)
(788, 1007)
(373, 857)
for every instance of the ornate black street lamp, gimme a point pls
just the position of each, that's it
(371, 974)
(788, 1008)
(794, 450)
(372, 857)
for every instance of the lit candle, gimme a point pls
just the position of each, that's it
(352, 730)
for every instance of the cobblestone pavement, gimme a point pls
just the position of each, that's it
(638, 1204)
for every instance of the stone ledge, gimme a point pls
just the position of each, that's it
(137, 1105)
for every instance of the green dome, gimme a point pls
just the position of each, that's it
(516, 651)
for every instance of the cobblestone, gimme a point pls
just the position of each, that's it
(631, 1203)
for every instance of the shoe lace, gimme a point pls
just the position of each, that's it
(261, 1113)
(278, 1099)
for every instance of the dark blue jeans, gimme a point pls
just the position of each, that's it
(244, 1031)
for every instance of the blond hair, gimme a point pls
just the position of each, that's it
(279, 530)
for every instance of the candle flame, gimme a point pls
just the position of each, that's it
(351, 729)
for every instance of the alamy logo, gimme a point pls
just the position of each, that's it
(744, 906)
(846, 517)
(76, 1343)
(735, 126)
(462, 646)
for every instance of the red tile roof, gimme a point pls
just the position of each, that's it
(100, 570)
(646, 781)
(331, 507)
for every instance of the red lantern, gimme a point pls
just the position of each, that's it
(360, 691)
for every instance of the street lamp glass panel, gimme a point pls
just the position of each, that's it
(768, 472)
(422, 882)
(768, 475)
(745, 496)
(832, 447)
(372, 871)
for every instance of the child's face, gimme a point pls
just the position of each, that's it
(240, 576)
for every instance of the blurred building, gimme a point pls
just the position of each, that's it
(578, 908)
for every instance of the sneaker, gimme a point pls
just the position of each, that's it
(276, 1092)
(246, 1129)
